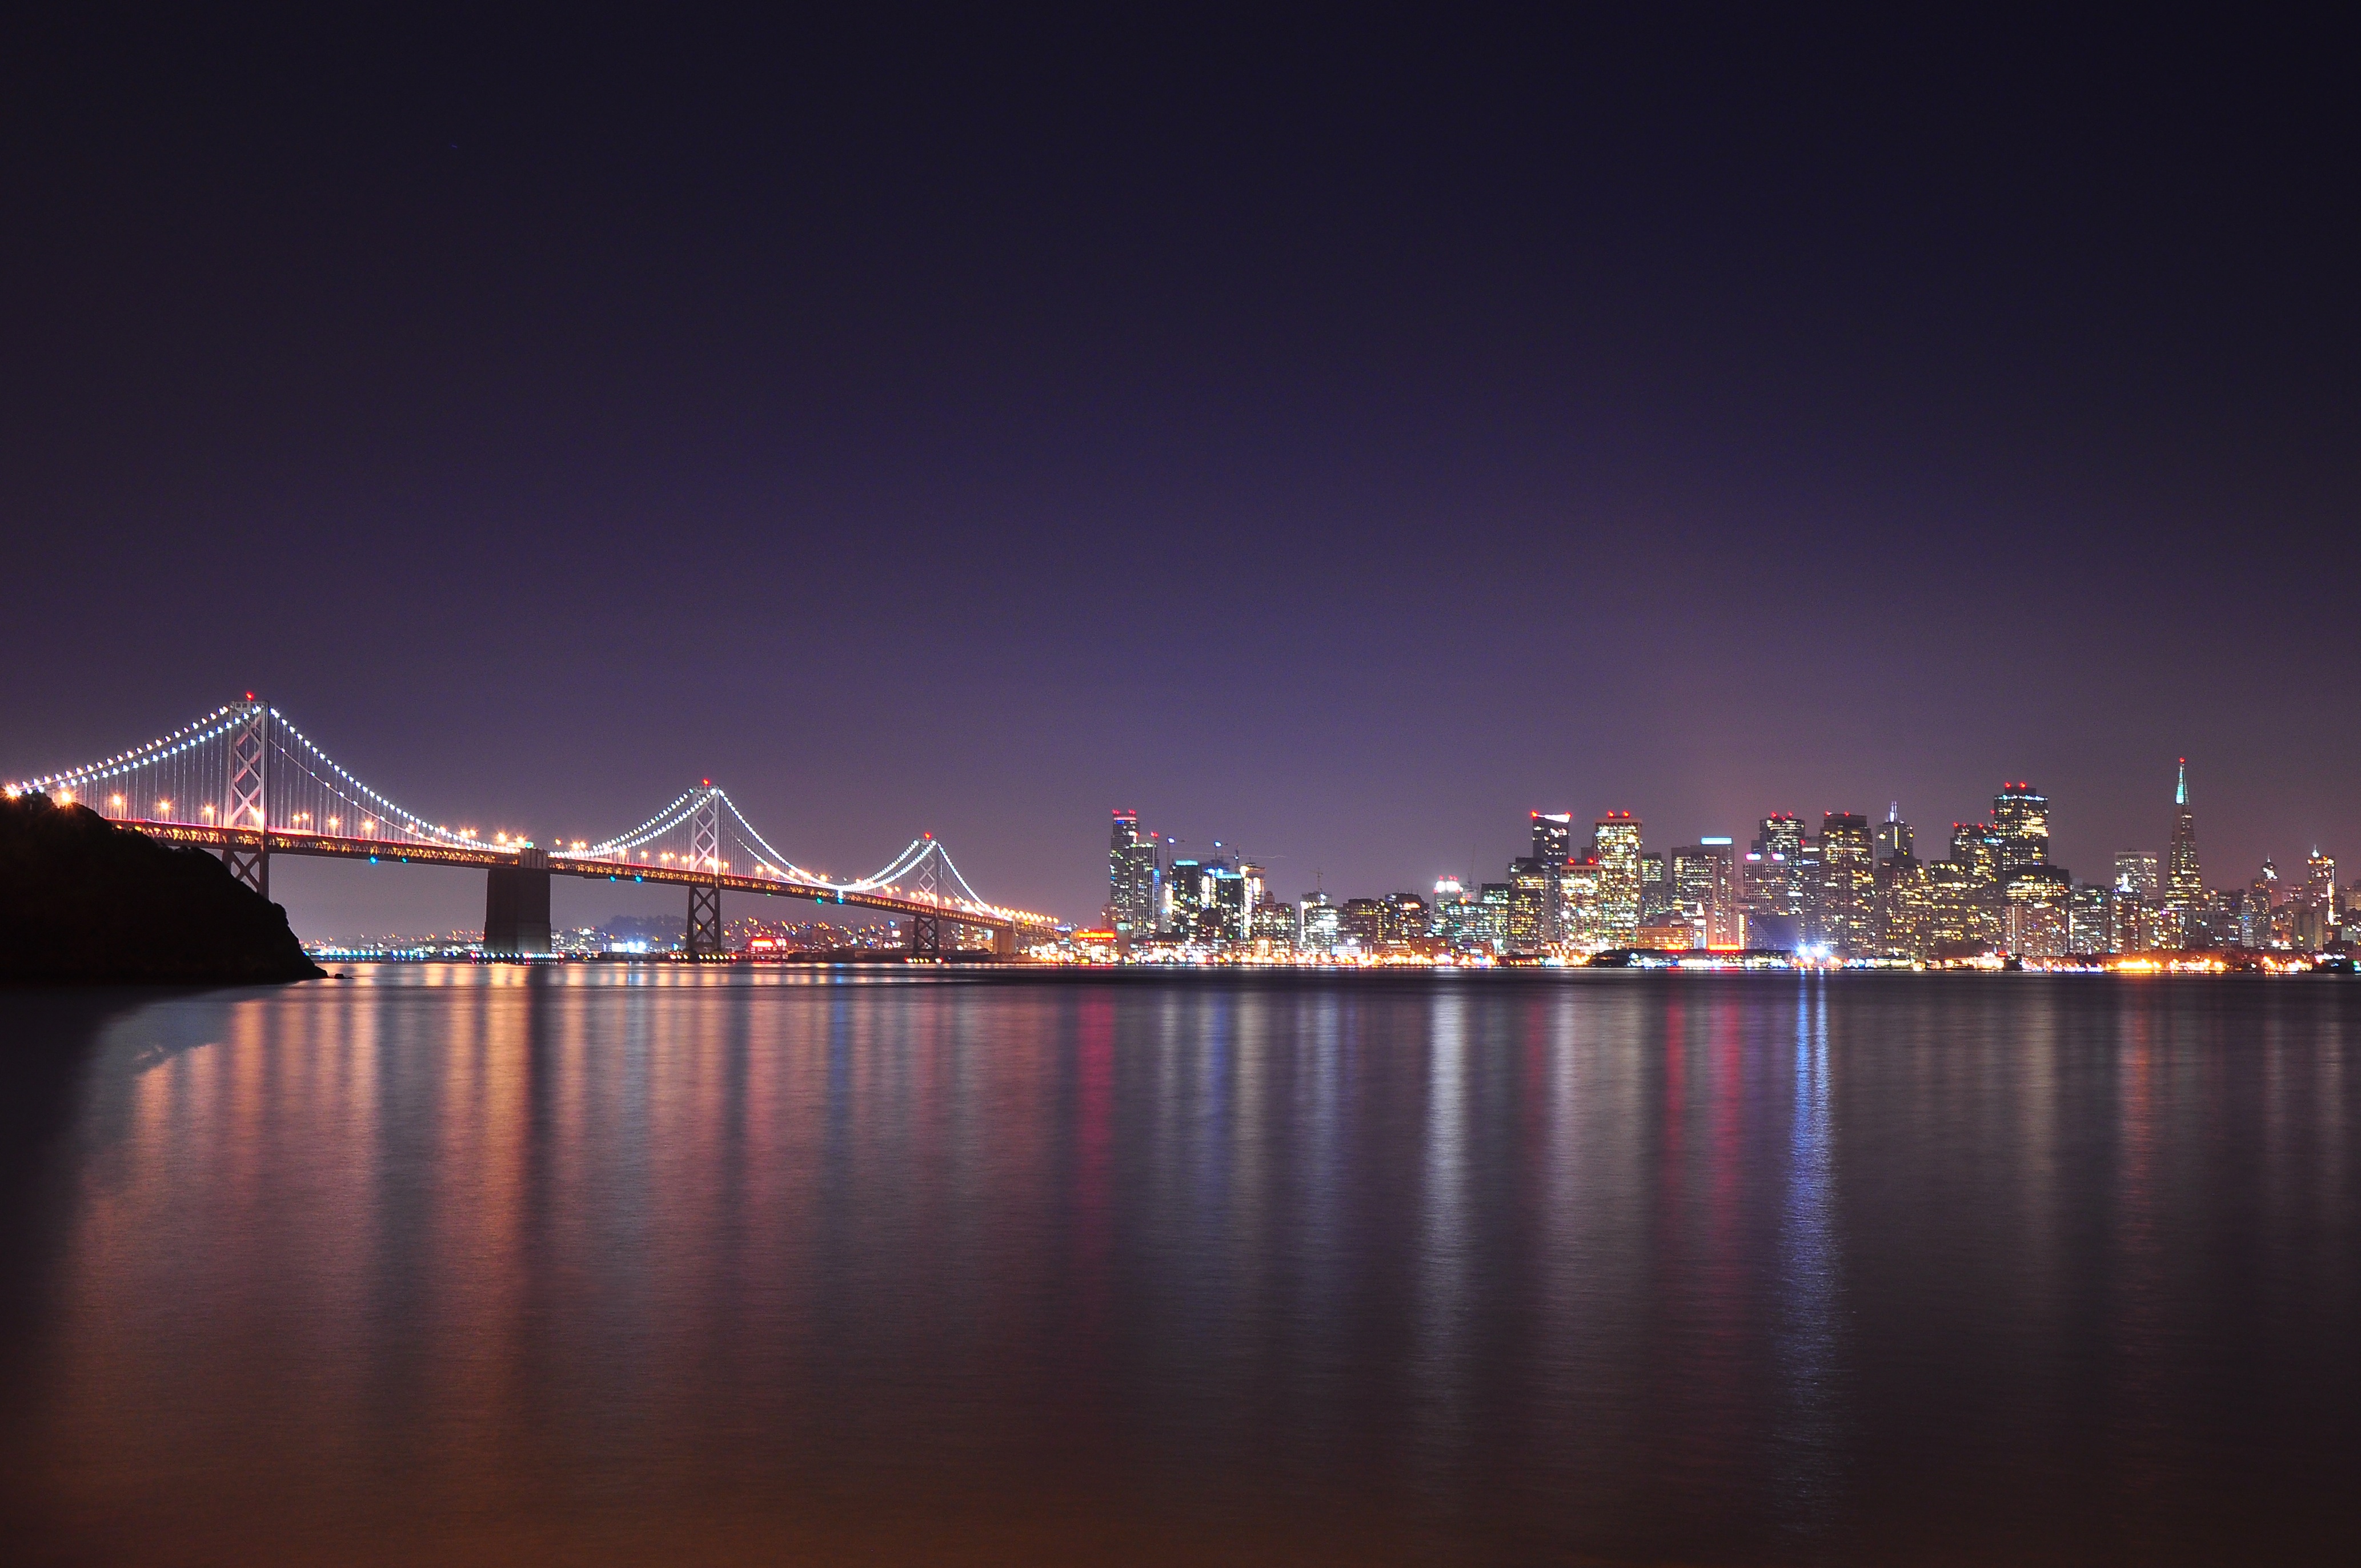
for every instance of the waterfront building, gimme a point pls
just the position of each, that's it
(1320, 924)
(1670, 932)
(2020, 823)
(1133, 876)
(1620, 884)
(1848, 882)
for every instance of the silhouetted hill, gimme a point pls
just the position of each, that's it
(84, 899)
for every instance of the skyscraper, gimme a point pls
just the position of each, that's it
(1533, 899)
(1619, 878)
(1771, 883)
(1892, 834)
(2137, 872)
(1577, 905)
(1131, 875)
(2021, 817)
(1553, 835)
(1705, 888)
(1553, 845)
(1848, 884)
(1184, 898)
(2185, 885)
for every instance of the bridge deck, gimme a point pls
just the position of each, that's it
(279, 841)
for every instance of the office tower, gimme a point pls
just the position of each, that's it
(2313, 920)
(1848, 904)
(1619, 878)
(2255, 906)
(1976, 847)
(1704, 890)
(1319, 923)
(1775, 867)
(2140, 874)
(2036, 910)
(1458, 918)
(1577, 905)
(2021, 820)
(1184, 897)
(1553, 845)
(1533, 899)
(1553, 835)
(1904, 902)
(1274, 925)
(1814, 919)
(2185, 885)
(1892, 834)
(1362, 922)
(1448, 892)
(1227, 911)
(1132, 875)
(1405, 919)
(2131, 921)
(2090, 919)
(1492, 902)
(1656, 897)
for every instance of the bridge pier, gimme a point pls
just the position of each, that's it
(1004, 941)
(516, 906)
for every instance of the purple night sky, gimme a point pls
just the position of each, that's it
(1333, 443)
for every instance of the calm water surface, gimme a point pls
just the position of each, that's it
(602, 1264)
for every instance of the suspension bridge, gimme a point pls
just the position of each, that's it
(246, 783)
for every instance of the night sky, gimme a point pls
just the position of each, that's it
(1334, 442)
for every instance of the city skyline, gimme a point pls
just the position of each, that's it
(1844, 889)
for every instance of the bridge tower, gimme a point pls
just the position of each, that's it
(248, 850)
(705, 855)
(927, 930)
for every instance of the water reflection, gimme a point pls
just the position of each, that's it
(1810, 1280)
(654, 1264)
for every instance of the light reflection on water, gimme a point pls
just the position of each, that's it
(667, 1264)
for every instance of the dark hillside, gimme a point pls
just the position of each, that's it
(84, 901)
